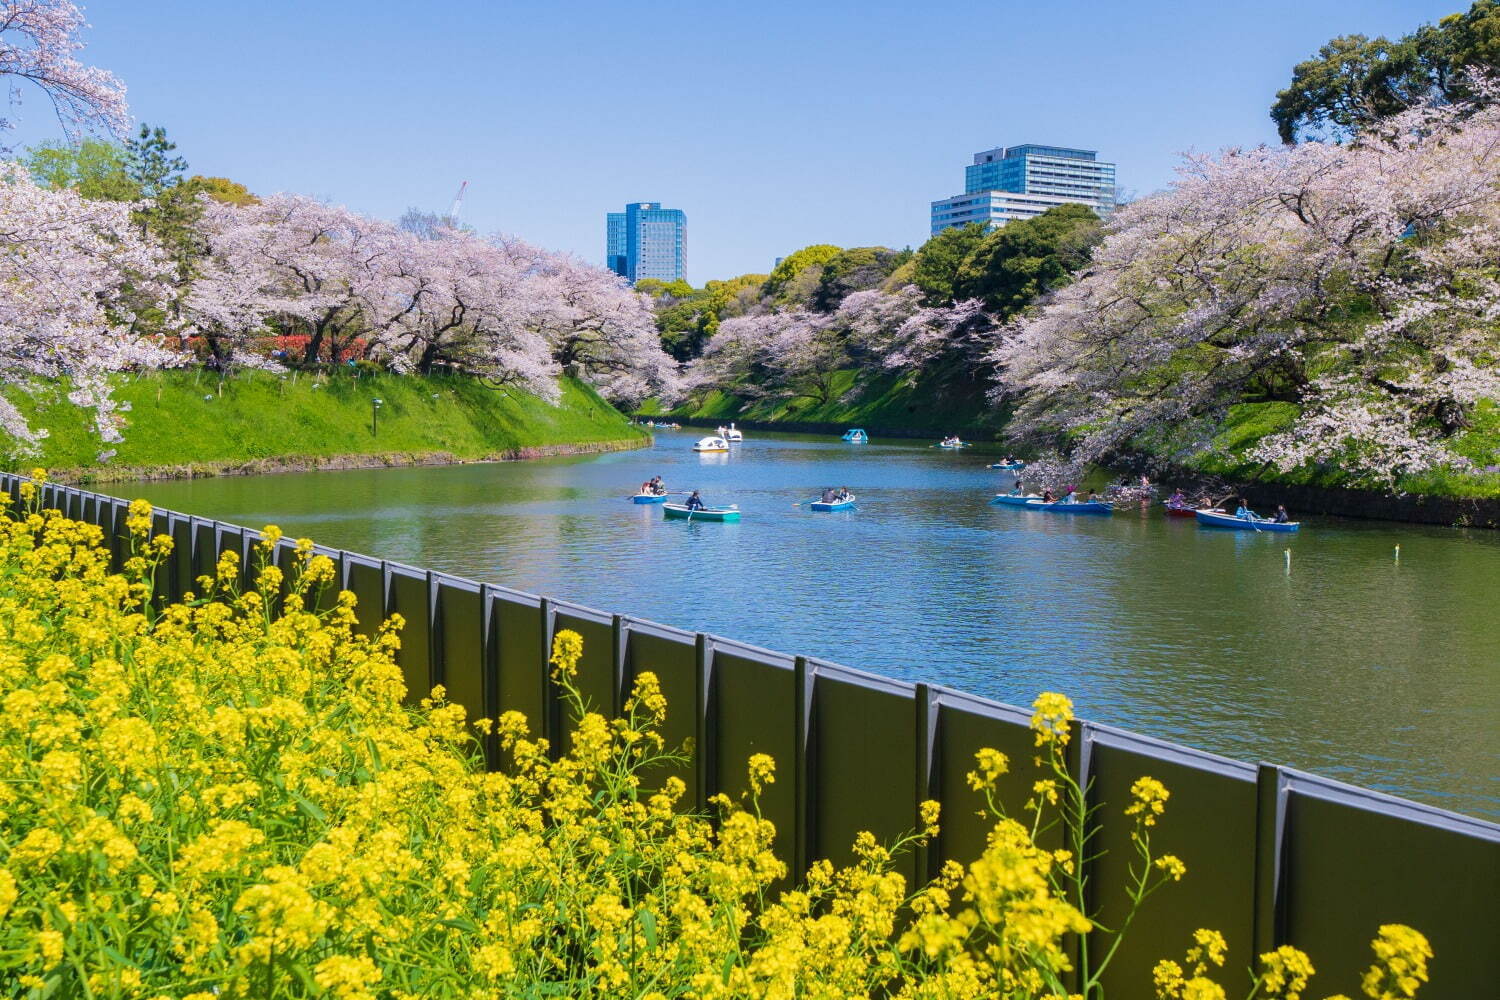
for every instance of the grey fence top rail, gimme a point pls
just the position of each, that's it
(1275, 855)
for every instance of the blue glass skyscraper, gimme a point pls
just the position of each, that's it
(646, 241)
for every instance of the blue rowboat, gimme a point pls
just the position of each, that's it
(680, 512)
(1009, 466)
(650, 498)
(835, 505)
(1224, 519)
(1077, 507)
(1014, 499)
(856, 436)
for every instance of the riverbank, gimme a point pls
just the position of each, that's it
(884, 405)
(190, 424)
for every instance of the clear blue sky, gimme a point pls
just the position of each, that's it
(772, 124)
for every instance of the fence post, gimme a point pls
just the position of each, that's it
(926, 856)
(803, 771)
(1269, 920)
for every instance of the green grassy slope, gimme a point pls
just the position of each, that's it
(181, 419)
(1249, 422)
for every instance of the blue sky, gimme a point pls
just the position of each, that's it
(773, 125)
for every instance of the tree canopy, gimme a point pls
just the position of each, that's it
(1023, 260)
(1355, 81)
(96, 169)
(937, 262)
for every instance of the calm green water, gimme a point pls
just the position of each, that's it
(1349, 664)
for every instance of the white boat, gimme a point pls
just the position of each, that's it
(714, 443)
(732, 434)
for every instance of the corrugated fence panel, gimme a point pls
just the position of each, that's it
(1210, 823)
(671, 655)
(966, 725)
(365, 579)
(460, 644)
(516, 619)
(407, 595)
(596, 677)
(864, 754)
(754, 699)
(1355, 860)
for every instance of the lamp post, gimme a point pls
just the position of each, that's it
(375, 405)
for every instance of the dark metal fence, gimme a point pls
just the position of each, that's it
(1275, 856)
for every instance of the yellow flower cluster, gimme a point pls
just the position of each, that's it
(1401, 955)
(229, 798)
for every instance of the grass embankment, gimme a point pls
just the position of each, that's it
(875, 402)
(1248, 423)
(188, 424)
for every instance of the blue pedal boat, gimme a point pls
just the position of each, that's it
(856, 436)
(1009, 466)
(680, 512)
(1224, 519)
(1014, 499)
(1078, 507)
(650, 498)
(834, 505)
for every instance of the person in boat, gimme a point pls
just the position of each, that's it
(1281, 515)
(1047, 496)
(830, 495)
(844, 494)
(658, 488)
(1092, 497)
(695, 502)
(1016, 490)
(1072, 496)
(1177, 499)
(1244, 513)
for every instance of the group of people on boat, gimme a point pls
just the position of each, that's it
(1244, 513)
(839, 495)
(952, 441)
(1071, 496)
(654, 487)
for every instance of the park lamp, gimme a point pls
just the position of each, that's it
(375, 405)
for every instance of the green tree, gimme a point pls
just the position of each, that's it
(1020, 262)
(220, 189)
(150, 162)
(805, 264)
(855, 270)
(94, 168)
(937, 262)
(1354, 81)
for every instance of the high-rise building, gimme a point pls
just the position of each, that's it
(1021, 182)
(646, 241)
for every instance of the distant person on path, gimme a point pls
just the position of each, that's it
(695, 502)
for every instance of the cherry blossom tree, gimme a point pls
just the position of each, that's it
(38, 44)
(597, 328)
(70, 272)
(793, 353)
(1354, 284)
(292, 261)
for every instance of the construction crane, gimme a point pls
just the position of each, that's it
(458, 204)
